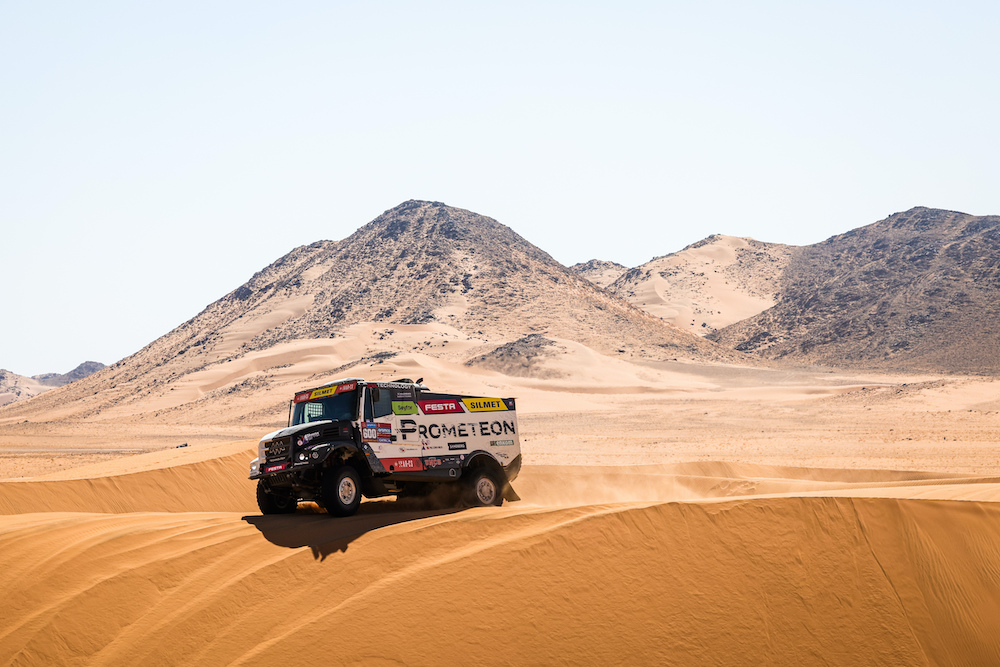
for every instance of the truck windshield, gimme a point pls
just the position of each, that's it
(339, 407)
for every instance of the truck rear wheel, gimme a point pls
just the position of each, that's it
(271, 502)
(341, 491)
(483, 488)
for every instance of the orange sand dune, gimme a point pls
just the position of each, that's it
(832, 580)
(216, 484)
(196, 482)
(670, 564)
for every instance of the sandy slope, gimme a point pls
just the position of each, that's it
(669, 564)
(707, 285)
(14, 387)
(673, 513)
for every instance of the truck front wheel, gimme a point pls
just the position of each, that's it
(483, 488)
(341, 491)
(271, 502)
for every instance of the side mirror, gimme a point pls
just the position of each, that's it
(376, 394)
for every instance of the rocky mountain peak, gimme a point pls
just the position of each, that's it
(421, 265)
(916, 290)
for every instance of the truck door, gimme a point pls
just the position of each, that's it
(396, 453)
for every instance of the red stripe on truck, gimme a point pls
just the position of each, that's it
(440, 407)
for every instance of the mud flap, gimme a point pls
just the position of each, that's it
(509, 495)
(372, 487)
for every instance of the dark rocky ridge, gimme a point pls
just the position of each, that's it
(521, 357)
(599, 271)
(78, 373)
(919, 290)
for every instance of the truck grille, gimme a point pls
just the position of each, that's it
(278, 451)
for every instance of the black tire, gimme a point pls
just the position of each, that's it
(271, 502)
(483, 487)
(341, 491)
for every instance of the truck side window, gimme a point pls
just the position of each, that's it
(378, 403)
(381, 402)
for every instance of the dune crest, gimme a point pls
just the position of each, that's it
(678, 583)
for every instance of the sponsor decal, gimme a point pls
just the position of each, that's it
(440, 407)
(306, 438)
(369, 432)
(325, 391)
(464, 429)
(502, 443)
(404, 408)
(455, 446)
(376, 432)
(442, 462)
(402, 394)
(303, 396)
(406, 464)
(484, 404)
(328, 391)
(276, 468)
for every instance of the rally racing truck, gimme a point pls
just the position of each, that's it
(352, 438)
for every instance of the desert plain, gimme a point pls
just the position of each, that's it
(679, 515)
(677, 508)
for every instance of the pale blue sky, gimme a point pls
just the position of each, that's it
(153, 157)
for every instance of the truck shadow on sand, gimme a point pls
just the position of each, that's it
(314, 528)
